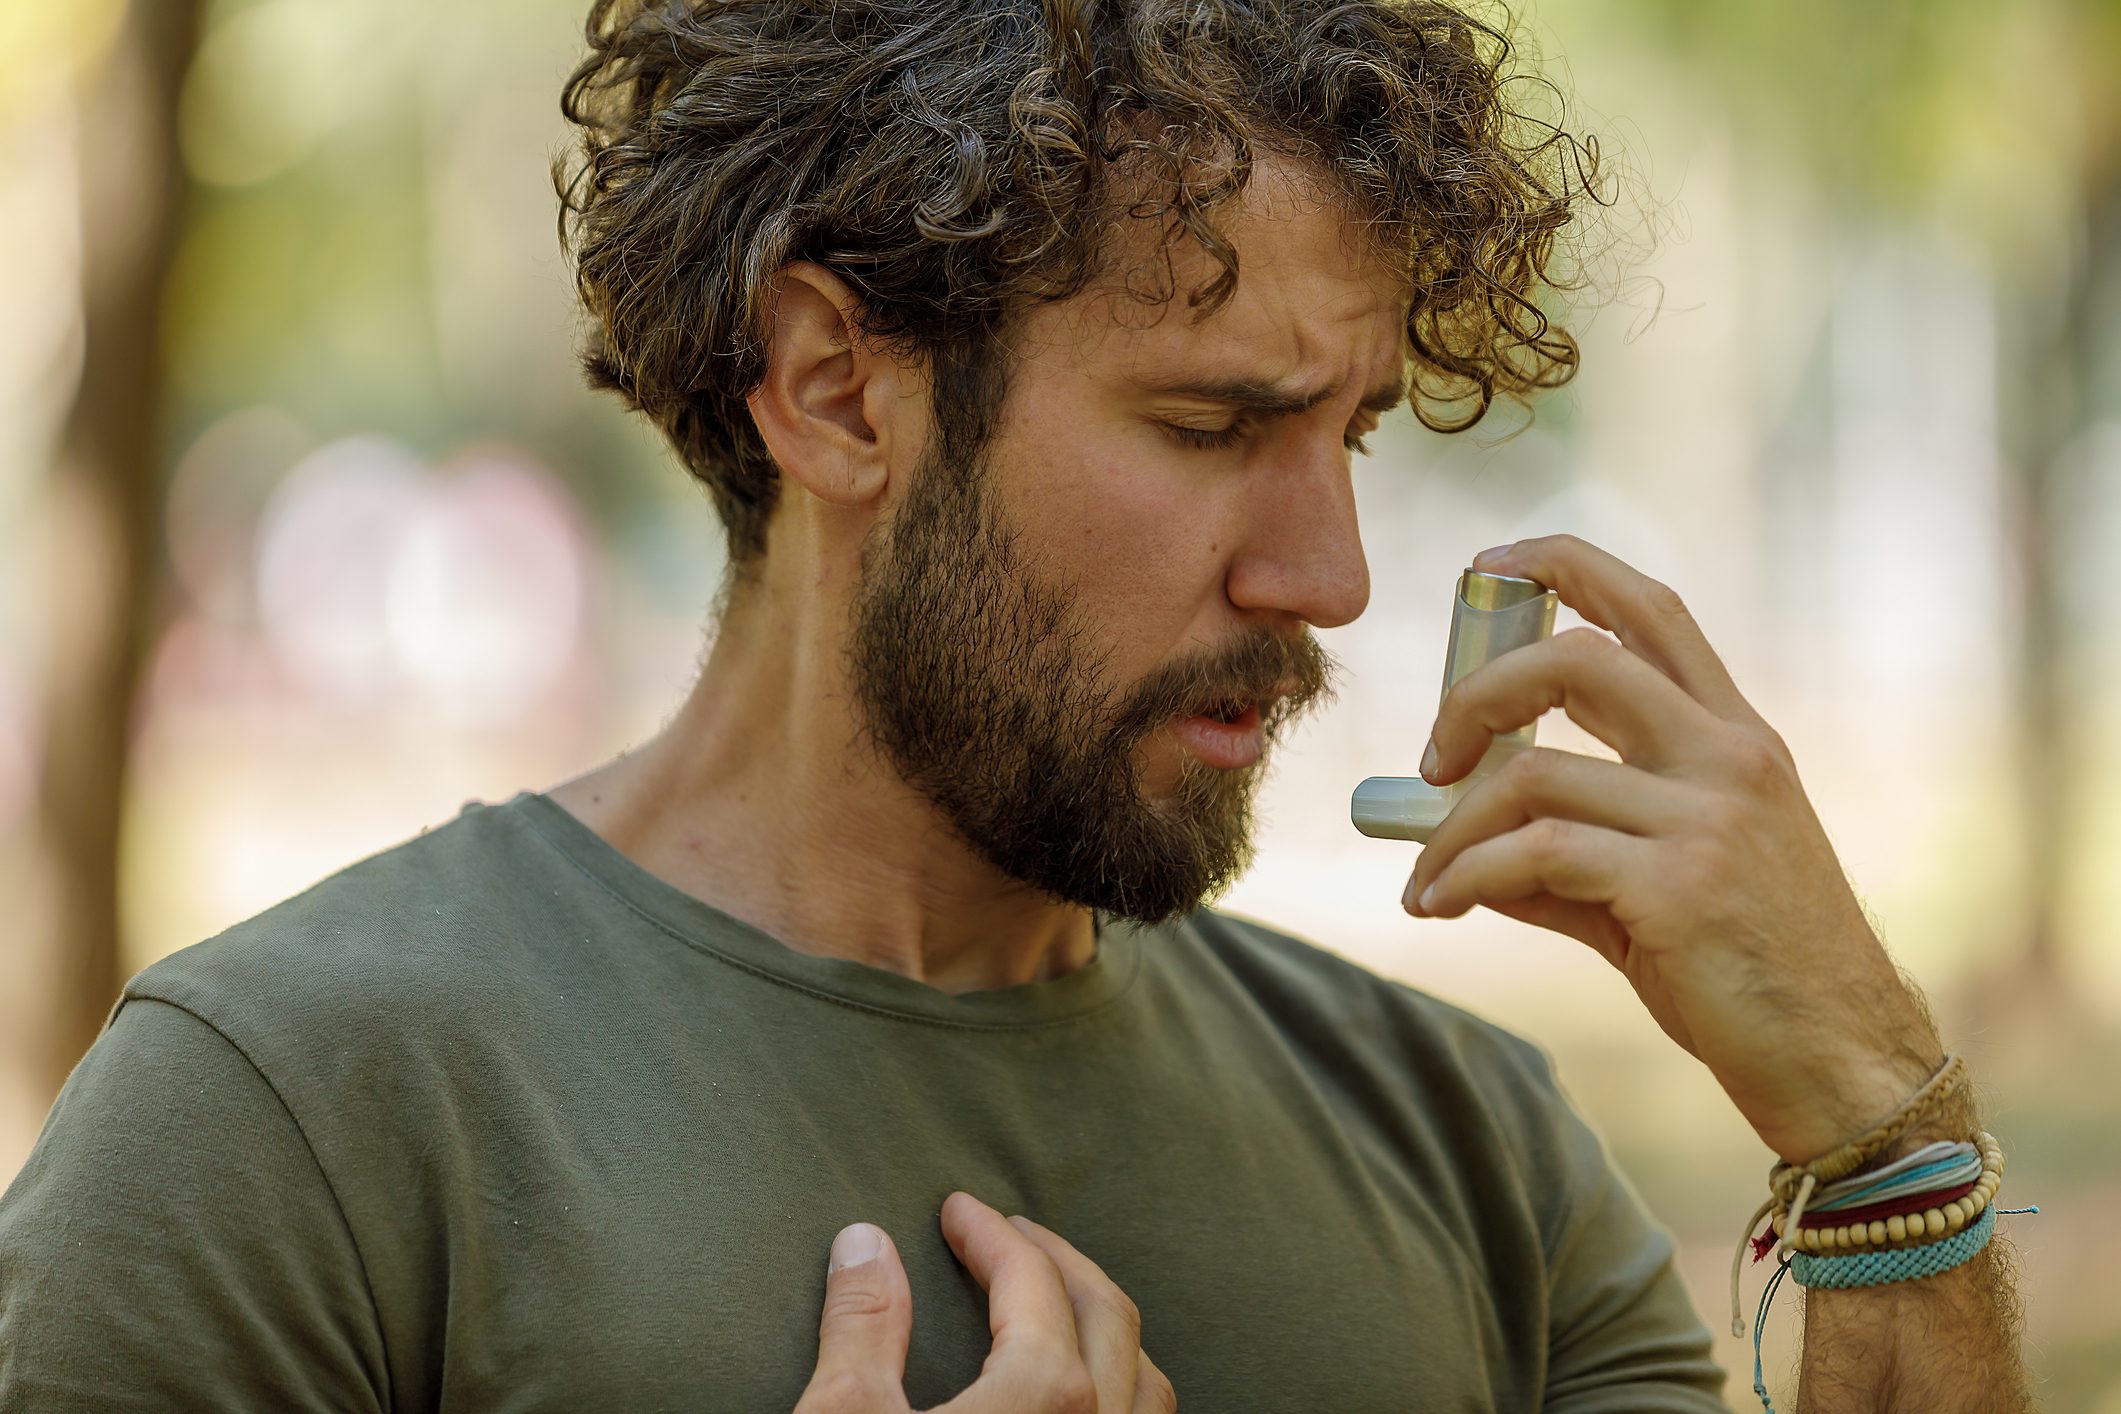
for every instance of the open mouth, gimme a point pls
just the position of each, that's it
(1226, 734)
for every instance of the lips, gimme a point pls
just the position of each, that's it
(1228, 745)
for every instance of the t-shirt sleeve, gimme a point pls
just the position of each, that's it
(172, 1243)
(1623, 1335)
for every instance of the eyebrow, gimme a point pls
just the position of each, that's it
(1266, 399)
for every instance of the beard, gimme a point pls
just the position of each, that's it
(983, 688)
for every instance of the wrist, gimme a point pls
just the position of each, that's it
(1853, 1096)
(1955, 1118)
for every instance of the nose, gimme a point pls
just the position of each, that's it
(1303, 555)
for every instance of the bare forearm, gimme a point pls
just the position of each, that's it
(1944, 1344)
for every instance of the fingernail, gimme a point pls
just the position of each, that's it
(856, 1244)
(1406, 895)
(1428, 896)
(1428, 760)
(1494, 552)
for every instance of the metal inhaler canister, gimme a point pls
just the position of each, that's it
(1491, 614)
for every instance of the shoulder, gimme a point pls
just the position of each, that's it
(394, 939)
(138, 1269)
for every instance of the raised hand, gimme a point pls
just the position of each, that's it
(1695, 864)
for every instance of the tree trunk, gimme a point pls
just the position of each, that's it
(2058, 374)
(105, 522)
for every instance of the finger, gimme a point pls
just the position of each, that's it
(1035, 1343)
(1606, 690)
(1107, 1323)
(1591, 924)
(1581, 863)
(1541, 781)
(867, 1322)
(1648, 617)
(1152, 1390)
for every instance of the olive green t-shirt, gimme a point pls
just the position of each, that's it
(497, 1120)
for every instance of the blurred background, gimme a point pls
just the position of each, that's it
(309, 532)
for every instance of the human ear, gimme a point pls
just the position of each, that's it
(829, 406)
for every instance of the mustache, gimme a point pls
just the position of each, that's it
(1253, 667)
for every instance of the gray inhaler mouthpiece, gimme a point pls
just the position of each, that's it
(1491, 614)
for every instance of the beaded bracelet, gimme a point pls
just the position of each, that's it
(1792, 1184)
(1917, 1216)
(1930, 1221)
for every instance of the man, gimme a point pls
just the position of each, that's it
(892, 939)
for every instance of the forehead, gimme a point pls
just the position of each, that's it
(1313, 298)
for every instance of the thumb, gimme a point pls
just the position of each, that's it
(867, 1321)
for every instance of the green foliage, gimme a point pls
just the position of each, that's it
(370, 241)
(1979, 113)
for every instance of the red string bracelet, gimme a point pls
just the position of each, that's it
(1890, 1208)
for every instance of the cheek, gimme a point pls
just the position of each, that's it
(1132, 523)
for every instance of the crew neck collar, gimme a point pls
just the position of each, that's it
(700, 925)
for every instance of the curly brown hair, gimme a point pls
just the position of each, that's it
(952, 161)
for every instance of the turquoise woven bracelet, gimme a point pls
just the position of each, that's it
(1894, 1264)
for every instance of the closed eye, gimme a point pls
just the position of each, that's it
(1230, 436)
(1206, 439)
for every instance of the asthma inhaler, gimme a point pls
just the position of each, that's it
(1491, 614)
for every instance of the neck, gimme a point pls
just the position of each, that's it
(763, 798)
